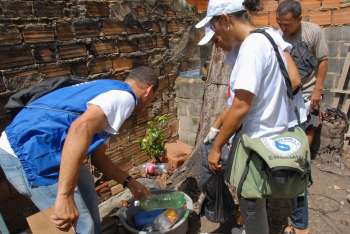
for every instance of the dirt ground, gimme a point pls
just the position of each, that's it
(328, 207)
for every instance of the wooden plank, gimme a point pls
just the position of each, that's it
(339, 91)
(342, 80)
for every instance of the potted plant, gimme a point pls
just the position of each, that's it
(153, 143)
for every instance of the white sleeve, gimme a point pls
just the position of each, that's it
(117, 105)
(248, 72)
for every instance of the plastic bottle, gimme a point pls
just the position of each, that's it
(146, 218)
(174, 200)
(154, 169)
(166, 219)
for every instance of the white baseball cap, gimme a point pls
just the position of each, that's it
(218, 7)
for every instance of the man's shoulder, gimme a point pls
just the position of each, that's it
(310, 27)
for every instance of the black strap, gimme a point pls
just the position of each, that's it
(244, 175)
(283, 70)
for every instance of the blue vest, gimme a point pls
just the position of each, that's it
(38, 131)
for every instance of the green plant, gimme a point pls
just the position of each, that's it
(154, 140)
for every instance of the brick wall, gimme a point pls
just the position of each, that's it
(43, 39)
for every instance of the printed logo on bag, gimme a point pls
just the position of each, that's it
(283, 146)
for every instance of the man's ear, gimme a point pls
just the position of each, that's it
(300, 18)
(149, 90)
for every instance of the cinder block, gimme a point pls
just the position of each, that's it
(330, 80)
(334, 49)
(188, 123)
(187, 137)
(189, 107)
(335, 65)
(343, 49)
(333, 33)
(345, 32)
(189, 88)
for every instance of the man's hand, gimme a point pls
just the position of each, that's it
(65, 213)
(211, 135)
(138, 190)
(213, 160)
(316, 98)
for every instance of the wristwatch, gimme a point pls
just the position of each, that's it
(126, 181)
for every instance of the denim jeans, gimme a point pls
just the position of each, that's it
(44, 197)
(300, 212)
(254, 215)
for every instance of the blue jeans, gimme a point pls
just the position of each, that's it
(300, 212)
(44, 196)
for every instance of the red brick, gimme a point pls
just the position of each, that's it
(156, 27)
(311, 4)
(177, 153)
(121, 64)
(2, 89)
(104, 47)
(55, 70)
(140, 11)
(48, 8)
(10, 36)
(127, 46)
(80, 69)
(97, 9)
(16, 80)
(15, 57)
(172, 26)
(100, 66)
(161, 42)
(146, 43)
(341, 16)
(38, 34)
(85, 28)
(64, 31)
(72, 51)
(14, 9)
(260, 19)
(45, 54)
(330, 4)
(320, 17)
(270, 6)
(112, 27)
(134, 29)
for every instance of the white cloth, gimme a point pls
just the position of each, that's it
(117, 105)
(257, 71)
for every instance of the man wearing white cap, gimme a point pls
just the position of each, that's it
(260, 101)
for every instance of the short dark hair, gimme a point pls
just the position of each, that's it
(289, 6)
(145, 75)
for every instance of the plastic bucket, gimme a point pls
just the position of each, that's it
(126, 214)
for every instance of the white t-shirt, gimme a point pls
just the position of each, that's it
(257, 71)
(117, 105)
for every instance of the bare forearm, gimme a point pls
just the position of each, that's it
(220, 120)
(73, 154)
(321, 74)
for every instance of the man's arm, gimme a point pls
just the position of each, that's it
(78, 139)
(320, 78)
(293, 72)
(112, 171)
(241, 105)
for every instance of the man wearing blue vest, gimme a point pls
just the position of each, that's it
(43, 149)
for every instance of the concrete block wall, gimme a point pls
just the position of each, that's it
(189, 99)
